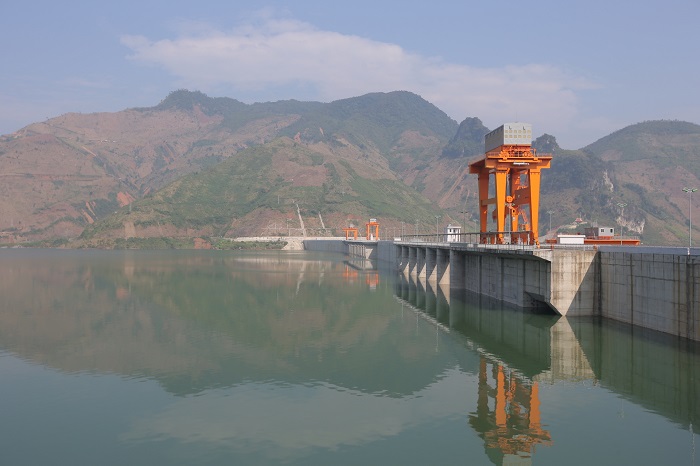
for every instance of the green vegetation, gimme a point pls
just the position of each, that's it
(378, 119)
(165, 242)
(389, 198)
(101, 207)
(247, 182)
(332, 174)
(662, 142)
(208, 161)
(225, 244)
(153, 243)
(235, 113)
(213, 197)
(648, 200)
(546, 144)
(205, 143)
(47, 243)
(468, 141)
(573, 169)
(185, 100)
(316, 159)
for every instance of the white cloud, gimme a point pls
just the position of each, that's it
(272, 55)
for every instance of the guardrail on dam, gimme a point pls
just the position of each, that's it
(656, 288)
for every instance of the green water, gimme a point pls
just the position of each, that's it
(188, 358)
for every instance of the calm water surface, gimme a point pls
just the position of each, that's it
(187, 357)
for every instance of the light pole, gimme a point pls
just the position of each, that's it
(690, 191)
(509, 220)
(464, 225)
(550, 212)
(464, 211)
(621, 205)
(437, 232)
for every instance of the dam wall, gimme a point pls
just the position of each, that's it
(326, 245)
(381, 250)
(654, 288)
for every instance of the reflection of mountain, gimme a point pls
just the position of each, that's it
(195, 320)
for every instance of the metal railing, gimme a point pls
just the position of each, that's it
(484, 240)
(490, 237)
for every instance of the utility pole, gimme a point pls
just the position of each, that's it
(622, 206)
(464, 211)
(464, 225)
(690, 191)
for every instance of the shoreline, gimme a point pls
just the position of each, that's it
(294, 243)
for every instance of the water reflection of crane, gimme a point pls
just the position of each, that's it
(516, 351)
(513, 428)
(372, 279)
(352, 270)
(350, 273)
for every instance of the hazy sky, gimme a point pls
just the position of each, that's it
(578, 70)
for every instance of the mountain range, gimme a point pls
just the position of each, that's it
(196, 166)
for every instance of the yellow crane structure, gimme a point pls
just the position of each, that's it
(514, 166)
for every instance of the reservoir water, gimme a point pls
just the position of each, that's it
(294, 358)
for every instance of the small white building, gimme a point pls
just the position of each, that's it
(570, 239)
(452, 233)
(600, 232)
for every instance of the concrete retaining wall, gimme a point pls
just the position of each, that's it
(573, 281)
(384, 251)
(387, 252)
(657, 291)
(518, 280)
(562, 279)
(326, 245)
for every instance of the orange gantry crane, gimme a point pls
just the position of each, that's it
(350, 231)
(515, 168)
(372, 229)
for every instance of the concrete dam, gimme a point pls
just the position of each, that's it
(654, 288)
